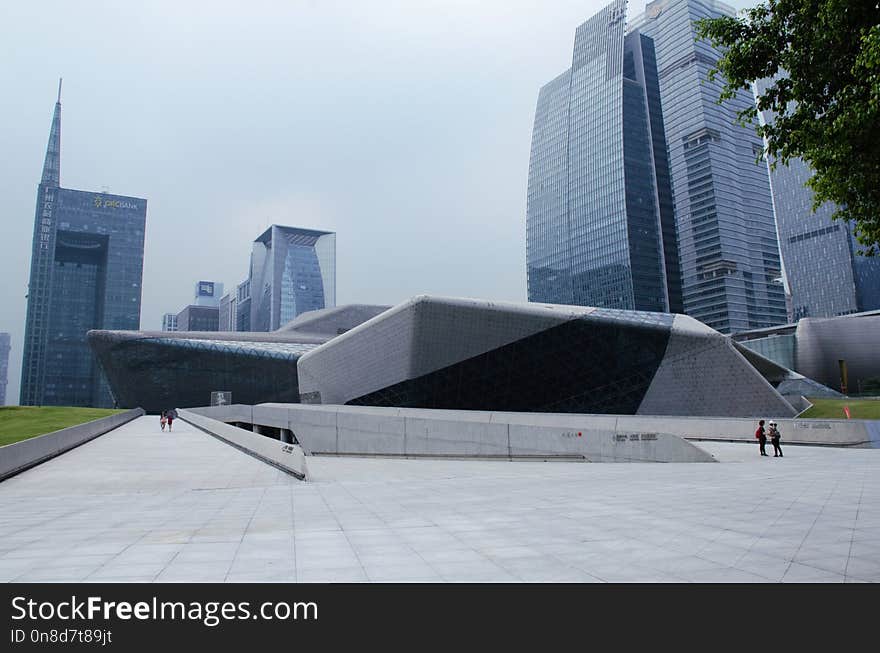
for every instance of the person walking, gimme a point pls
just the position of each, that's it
(170, 416)
(775, 436)
(162, 421)
(761, 434)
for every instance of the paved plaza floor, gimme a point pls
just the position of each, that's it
(138, 505)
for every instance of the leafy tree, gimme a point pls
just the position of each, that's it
(826, 99)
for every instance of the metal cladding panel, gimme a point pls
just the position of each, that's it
(821, 343)
(703, 374)
(583, 365)
(416, 338)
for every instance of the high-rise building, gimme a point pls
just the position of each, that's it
(292, 271)
(4, 366)
(198, 318)
(228, 311)
(243, 306)
(826, 276)
(169, 322)
(86, 270)
(600, 222)
(729, 254)
(208, 293)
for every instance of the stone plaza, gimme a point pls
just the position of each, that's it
(141, 505)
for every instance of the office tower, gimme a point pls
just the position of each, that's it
(228, 311)
(169, 322)
(4, 366)
(826, 275)
(731, 273)
(600, 222)
(198, 318)
(243, 306)
(86, 268)
(292, 271)
(208, 293)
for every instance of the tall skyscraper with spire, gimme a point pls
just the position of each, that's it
(86, 272)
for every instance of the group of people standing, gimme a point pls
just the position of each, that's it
(167, 417)
(773, 432)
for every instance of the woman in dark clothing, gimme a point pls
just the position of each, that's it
(761, 435)
(775, 435)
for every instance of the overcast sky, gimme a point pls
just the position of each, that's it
(403, 125)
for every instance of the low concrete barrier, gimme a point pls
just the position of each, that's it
(286, 457)
(19, 456)
(357, 430)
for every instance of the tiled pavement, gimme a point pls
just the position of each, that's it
(140, 505)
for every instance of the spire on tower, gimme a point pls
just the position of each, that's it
(52, 163)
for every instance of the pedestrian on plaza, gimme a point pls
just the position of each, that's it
(761, 434)
(162, 420)
(170, 416)
(775, 436)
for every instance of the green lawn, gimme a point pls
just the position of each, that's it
(23, 422)
(833, 408)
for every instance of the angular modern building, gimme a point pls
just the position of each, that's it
(600, 223)
(159, 370)
(86, 269)
(729, 255)
(816, 347)
(292, 271)
(826, 275)
(4, 366)
(470, 354)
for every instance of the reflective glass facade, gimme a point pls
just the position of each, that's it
(158, 373)
(826, 276)
(729, 256)
(4, 366)
(86, 269)
(293, 271)
(600, 227)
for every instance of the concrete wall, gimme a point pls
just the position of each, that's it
(356, 430)
(287, 457)
(19, 456)
(411, 431)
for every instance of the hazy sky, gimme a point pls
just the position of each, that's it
(403, 125)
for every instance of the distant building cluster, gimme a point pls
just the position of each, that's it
(644, 193)
(293, 270)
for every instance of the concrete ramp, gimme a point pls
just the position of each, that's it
(411, 432)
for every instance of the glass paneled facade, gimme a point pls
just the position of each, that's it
(4, 366)
(729, 255)
(86, 270)
(293, 271)
(600, 228)
(159, 373)
(826, 275)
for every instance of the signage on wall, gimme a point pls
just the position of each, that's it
(206, 289)
(108, 203)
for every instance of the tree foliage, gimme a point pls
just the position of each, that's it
(825, 58)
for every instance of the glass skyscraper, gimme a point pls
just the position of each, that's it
(730, 266)
(826, 275)
(600, 223)
(292, 271)
(4, 366)
(86, 270)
